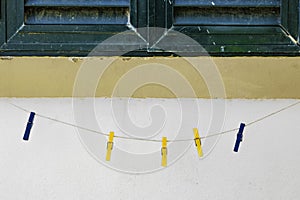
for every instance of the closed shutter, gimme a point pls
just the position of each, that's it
(222, 27)
(291, 17)
(59, 27)
(2, 22)
(231, 27)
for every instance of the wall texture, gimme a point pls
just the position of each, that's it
(54, 164)
(243, 77)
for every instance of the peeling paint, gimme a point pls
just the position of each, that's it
(6, 58)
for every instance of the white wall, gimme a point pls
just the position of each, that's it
(55, 165)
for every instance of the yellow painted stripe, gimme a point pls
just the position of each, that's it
(244, 77)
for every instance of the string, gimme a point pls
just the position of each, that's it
(155, 140)
(273, 113)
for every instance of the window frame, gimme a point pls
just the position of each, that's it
(21, 39)
(286, 37)
(25, 39)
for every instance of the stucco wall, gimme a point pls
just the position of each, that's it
(243, 77)
(54, 163)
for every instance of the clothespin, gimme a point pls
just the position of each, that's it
(164, 152)
(110, 145)
(198, 142)
(239, 138)
(29, 126)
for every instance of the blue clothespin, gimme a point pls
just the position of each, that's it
(29, 126)
(239, 138)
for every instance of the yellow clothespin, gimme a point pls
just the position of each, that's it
(164, 152)
(198, 142)
(110, 145)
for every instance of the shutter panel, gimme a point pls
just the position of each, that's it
(76, 12)
(2, 23)
(234, 27)
(62, 27)
(226, 12)
(222, 27)
(291, 18)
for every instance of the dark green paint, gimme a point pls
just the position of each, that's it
(75, 27)
(228, 3)
(226, 16)
(77, 3)
(2, 23)
(79, 16)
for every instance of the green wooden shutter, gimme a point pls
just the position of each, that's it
(246, 27)
(222, 27)
(62, 27)
(2, 22)
(291, 18)
(76, 12)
